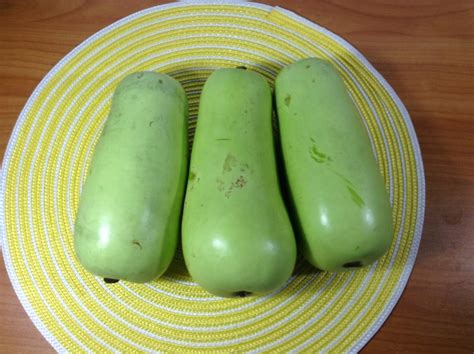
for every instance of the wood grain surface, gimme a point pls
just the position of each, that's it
(425, 50)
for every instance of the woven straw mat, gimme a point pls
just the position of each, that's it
(51, 147)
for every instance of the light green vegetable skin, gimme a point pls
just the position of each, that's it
(129, 212)
(237, 236)
(339, 203)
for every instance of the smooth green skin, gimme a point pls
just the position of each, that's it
(129, 212)
(237, 237)
(339, 204)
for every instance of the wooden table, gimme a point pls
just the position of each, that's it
(425, 49)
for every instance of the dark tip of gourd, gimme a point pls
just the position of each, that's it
(242, 293)
(355, 264)
(242, 67)
(110, 281)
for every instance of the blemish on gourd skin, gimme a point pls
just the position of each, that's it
(317, 155)
(240, 183)
(321, 157)
(232, 164)
(287, 100)
(193, 179)
(220, 184)
(137, 243)
(244, 167)
(356, 197)
(229, 163)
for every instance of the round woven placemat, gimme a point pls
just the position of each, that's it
(51, 146)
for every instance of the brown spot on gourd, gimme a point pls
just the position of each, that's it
(229, 163)
(220, 184)
(192, 175)
(308, 66)
(137, 243)
(287, 100)
(240, 182)
(228, 192)
(244, 167)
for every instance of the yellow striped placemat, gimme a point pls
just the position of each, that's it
(51, 146)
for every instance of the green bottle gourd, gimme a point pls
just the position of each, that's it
(339, 204)
(128, 218)
(237, 237)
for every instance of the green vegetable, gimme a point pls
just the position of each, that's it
(129, 212)
(237, 237)
(339, 203)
